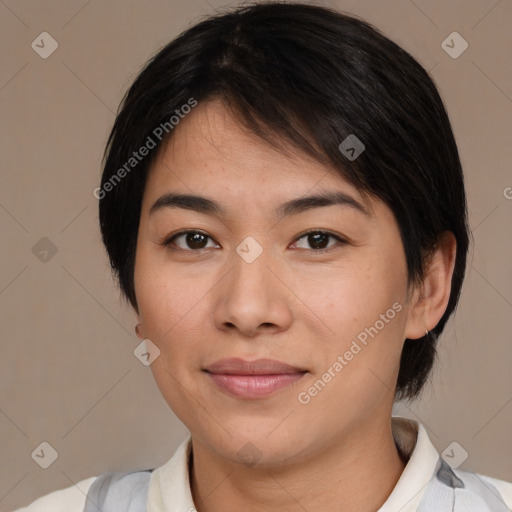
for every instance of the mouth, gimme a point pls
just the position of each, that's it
(253, 379)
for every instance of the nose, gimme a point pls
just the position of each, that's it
(253, 297)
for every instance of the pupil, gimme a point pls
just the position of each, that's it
(194, 240)
(316, 239)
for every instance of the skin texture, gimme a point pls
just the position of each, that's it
(292, 304)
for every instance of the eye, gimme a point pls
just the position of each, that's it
(193, 240)
(318, 241)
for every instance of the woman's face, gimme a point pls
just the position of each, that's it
(250, 284)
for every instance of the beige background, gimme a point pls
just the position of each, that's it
(68, 373)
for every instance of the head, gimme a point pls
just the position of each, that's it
(256, 110)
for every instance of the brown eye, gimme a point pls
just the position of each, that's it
(318, 241)
(188, 240)
(195, 240)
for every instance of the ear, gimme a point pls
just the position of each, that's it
(430, 298)
(138, 330)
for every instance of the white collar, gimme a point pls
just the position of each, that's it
(169, 488)
(413, 441)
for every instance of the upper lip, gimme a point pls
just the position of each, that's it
(237, 366)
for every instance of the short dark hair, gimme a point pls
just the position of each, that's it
(308, 76)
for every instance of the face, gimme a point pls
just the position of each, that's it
(319, 287)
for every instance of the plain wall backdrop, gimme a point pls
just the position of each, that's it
(68, 373)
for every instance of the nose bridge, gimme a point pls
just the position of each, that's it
(251, 294)
(250, 271)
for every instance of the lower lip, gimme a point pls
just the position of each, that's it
(254, 386)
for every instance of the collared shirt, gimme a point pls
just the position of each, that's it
(427, 484)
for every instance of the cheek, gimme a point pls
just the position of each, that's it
(354, 293)
(364, 309)
(363, 305)
(170, 310)
(169, 307)
(173, 304)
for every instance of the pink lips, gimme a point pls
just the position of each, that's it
(253, 379)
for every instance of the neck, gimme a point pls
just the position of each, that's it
(340, 475)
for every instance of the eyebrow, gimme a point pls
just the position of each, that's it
(294, 206)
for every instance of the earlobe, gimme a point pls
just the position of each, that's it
(138, 331)
(431, 299)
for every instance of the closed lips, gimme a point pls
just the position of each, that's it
(238, 366)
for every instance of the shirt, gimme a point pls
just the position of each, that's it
(427, 484)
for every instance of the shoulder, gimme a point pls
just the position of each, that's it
(486, 487)
(107, 492)
(71, 499)
(117, 490)
(465, 491)
(503, 487)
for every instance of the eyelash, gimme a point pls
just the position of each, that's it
(168, 240)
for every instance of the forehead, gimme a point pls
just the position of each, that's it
(212, 153)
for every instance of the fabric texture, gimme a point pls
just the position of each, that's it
(71, 499)
(119, 492)
(460, 491)
(427, 484)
